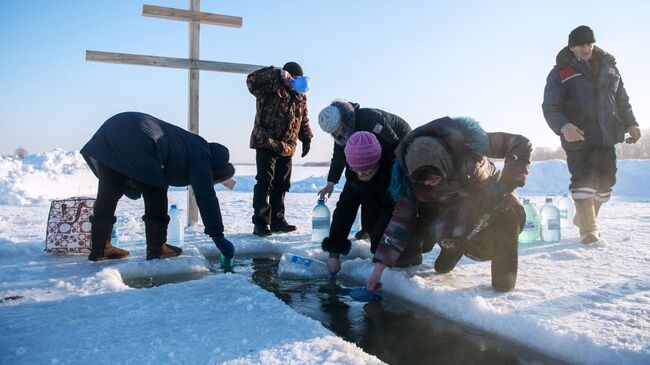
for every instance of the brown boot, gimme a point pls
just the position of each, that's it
(156, 235)
(101, 241)
(586, 217)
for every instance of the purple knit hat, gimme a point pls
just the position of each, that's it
(362, 151)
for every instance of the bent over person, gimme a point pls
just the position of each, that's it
(444, 181)
(586, 104)
(341, 119)
(281, 120)
(136, 154)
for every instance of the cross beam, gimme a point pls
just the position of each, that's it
(183, 63)
(193, 64)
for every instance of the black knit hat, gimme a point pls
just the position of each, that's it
(581, 35)
(293, 68)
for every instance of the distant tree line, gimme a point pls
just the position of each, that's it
(640, 150)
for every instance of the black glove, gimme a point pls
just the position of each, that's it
(305, 148)
(226, 247)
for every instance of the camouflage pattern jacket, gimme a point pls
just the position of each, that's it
(281, 116)
(452, 209)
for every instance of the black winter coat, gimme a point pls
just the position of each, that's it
(388, 128)
(591, 97)
(151, 151)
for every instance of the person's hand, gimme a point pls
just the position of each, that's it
(374, 280)
(284, 74)
(305, 148)
(635, 135)
(334, 265)
(329, 189)
(226, 247)
(572, 133)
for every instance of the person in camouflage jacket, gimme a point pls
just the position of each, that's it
(444, 180)
(281, 120)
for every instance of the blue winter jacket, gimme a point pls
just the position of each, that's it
(156, 153)
(597, 104)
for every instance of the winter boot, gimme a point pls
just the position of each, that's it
(586, 219)
(281, 225)
(447, 260)
(505, 257)
(261, 230)
(156, 235)
(101, 248)
(361, 235)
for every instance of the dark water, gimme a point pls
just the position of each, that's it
(394, 330)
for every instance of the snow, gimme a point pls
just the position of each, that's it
(577, 303)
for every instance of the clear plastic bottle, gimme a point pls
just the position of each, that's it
(114, 238)
(298, 267)
(356, 226)
(567, 211)
(550, 221)
(175, 231)
(531, 228)
(320, 222)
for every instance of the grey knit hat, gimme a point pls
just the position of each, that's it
(329, 119)
(428, 151)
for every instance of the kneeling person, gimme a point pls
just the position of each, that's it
(446, 183)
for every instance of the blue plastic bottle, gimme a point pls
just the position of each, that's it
(550, 221)
(320, 222)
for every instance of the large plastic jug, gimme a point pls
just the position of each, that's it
(320, 222)
(550, 221)
(567, 211)
(175, 230)
(114, 238)
(298, 267)
(531, 228)
(356, 226)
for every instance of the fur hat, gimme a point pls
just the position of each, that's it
(362, 151)
(293, 68)
(329, 119)
(581, 35)
(428, 151)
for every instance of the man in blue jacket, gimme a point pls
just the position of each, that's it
(586, 104)
(136, 154)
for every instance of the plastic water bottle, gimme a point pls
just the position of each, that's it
(320, 222)
(298, 267)
(567, 211)
(175, 231)
(531, 228)
(114, 239)
(550, 221)
(356, 226)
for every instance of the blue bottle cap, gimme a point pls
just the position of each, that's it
(300, 84)
(173, 206)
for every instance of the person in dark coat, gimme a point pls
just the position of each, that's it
(371, 163)
(341, 119)
(281, 120)
(444, 181)
(136, 154)
(586, 104)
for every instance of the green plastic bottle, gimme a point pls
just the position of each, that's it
(531, 229)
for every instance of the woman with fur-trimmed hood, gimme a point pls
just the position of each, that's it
(443, 179)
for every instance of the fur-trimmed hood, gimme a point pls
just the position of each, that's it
(565, 57)
(460, 136)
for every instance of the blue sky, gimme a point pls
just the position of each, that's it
(418, 59)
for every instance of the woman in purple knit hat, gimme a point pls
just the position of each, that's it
(371, 164)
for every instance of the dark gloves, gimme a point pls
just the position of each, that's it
(305, 148)
(226, 247)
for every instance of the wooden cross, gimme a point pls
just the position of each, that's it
(194, 17)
